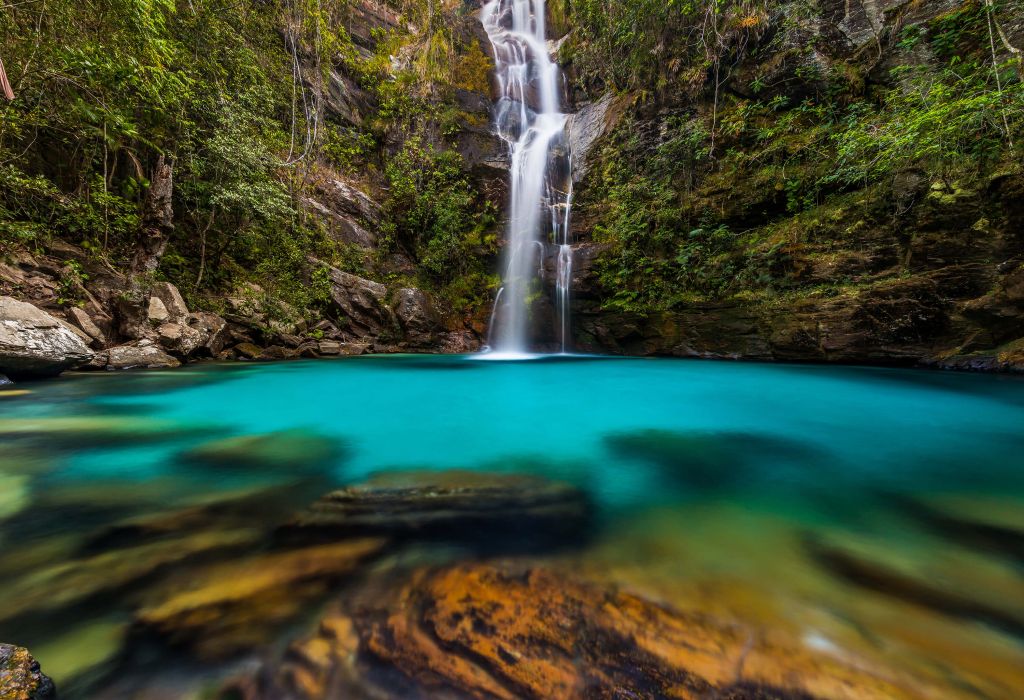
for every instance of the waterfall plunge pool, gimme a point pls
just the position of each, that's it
(872, 515)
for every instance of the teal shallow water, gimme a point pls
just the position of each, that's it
(822, 448)
(860, 428)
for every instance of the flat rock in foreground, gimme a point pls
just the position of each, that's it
(477, 631)
(455, 505)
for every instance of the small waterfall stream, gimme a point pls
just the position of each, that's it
(529, 119)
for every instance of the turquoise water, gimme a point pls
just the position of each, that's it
(819, 447)
(856, 428)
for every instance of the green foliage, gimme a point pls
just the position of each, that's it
(431, 210)
(945, 122)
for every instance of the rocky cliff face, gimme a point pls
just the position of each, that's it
(914, 266)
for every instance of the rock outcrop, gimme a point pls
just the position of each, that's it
(35, 344)
(21, 677)
(486, 632)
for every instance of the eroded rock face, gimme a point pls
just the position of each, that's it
(21, 677)
(589, 125)
(482, 631)
(361, 301)
(35, 344)
(416, 316)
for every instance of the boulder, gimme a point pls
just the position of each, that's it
(140, 355)
(180, 339)
(171, 299)
(35, 344)
(21, 677)
(519, 512)
(286, 450)
(362, 302)
(81, 319)
(416, 316)
(156, 312)
(214, 329)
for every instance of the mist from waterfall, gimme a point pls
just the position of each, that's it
(529, 119)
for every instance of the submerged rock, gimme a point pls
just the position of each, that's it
(991, 521)
(78, 581)
(21, 677)
(285, 450)
(483, 632)
(35, 344)
(960, 583)
(233, 606)
(519, 511)
(14, 494)
(706, 459)
(96, 430)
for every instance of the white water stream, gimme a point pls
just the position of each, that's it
(528, 117)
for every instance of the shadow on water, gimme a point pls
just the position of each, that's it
(1004, 388)
(713, 460)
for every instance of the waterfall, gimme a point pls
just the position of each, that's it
(529, 119)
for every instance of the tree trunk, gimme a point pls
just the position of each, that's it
(157, 219)
(5, 84)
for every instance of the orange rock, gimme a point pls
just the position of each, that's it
(479, 631)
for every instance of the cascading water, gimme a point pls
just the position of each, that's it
(529, 119)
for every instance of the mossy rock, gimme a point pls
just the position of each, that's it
(286, 450)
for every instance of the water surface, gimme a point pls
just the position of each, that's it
(741, 489)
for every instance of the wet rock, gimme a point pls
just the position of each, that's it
(513, 511)
(114, 573)
(35, 344)
(960, 583)
(140, 355)
(486, 632)
(248, 350)
(233, 606)
(286, 450)
(21, 677)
